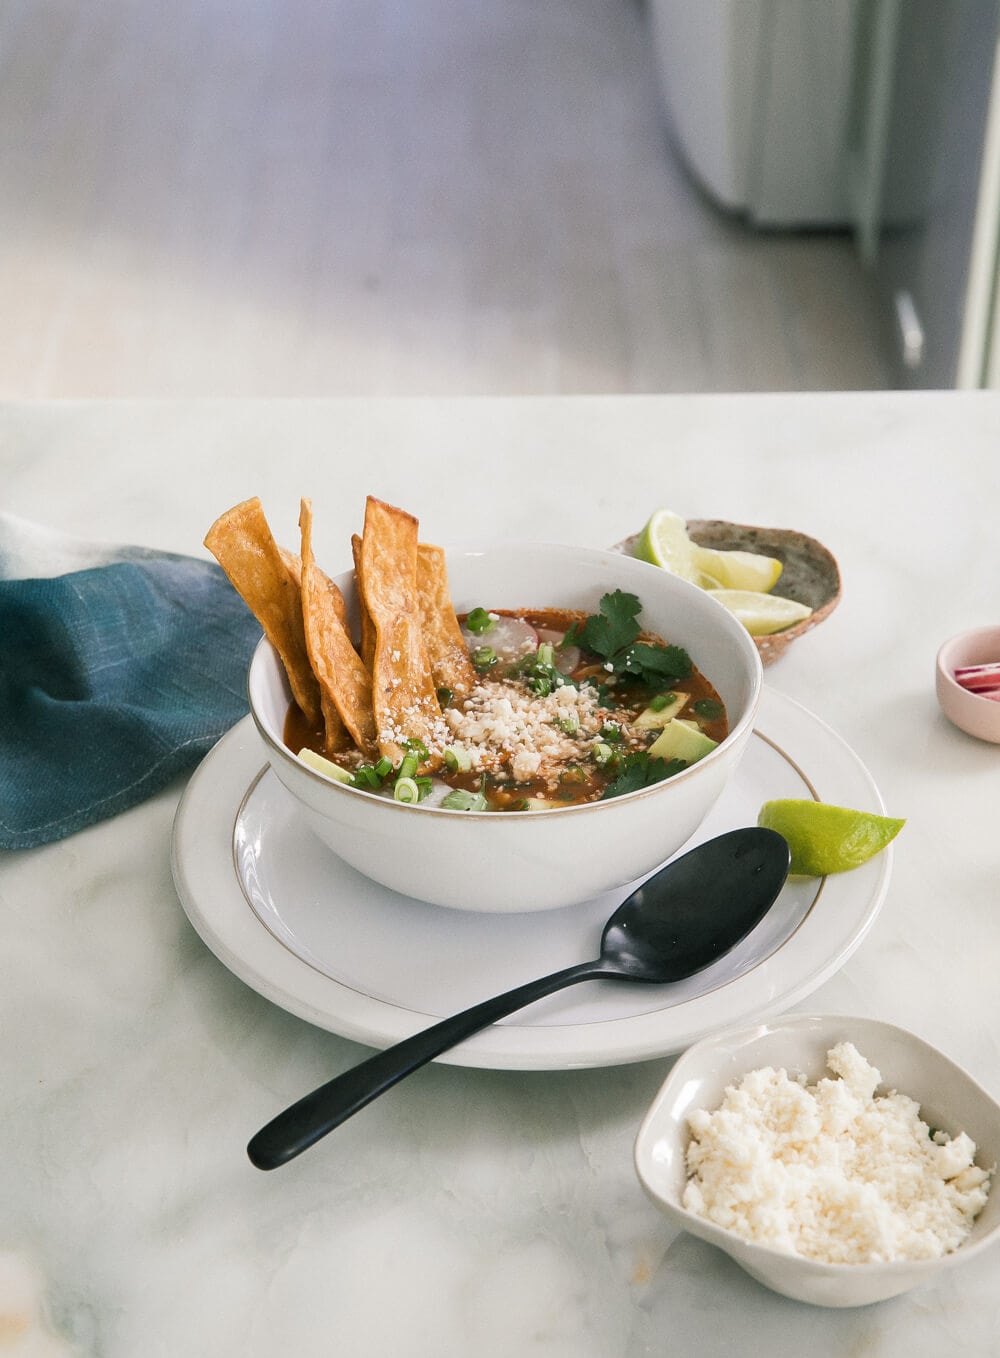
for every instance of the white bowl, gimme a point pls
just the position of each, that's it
(533, 860)
(948, 1097)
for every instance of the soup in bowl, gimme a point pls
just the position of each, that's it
(515, 840)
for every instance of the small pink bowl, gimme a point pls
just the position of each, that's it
(978, 716)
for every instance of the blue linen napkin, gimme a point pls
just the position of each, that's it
(120, 667)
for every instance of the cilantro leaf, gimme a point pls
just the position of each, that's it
(641, 770)
(540, 677)
(612, 634)
(658, 664)
(613, 629)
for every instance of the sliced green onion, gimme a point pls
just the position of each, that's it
(611, 732)
(407, 768)
(365, 776)
(546, 654)
(444, 697)
(479, 621)
(457, 759)
(662, 700)
(568, 723)
(384, 766)
(574, 774)
(484, 657)
(406, 791)
(424, 785)
(417, 747)
(708, 708)
(602, 752)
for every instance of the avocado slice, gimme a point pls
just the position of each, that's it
(682, 740)
(654, 719)
(327, 766)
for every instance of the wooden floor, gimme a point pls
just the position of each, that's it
(371, 197)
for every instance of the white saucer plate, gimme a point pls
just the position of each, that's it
(306, 931)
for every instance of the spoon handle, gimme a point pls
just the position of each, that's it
(305, 1122)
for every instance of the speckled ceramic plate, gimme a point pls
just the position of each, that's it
(293, 921)
(810, 574)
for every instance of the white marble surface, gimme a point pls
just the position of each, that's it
(471, 1212)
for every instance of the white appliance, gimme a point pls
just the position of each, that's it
(758, 94)
(929, 212)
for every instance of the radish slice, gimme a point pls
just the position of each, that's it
(568, 658)
(510, 638)
(978, 678)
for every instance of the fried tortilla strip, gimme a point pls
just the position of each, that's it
(446, 648)
(403, 692)
(345, 685)
(294, 564)
(367, 626)
(241, 542)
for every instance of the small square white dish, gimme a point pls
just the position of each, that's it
(948, 1096)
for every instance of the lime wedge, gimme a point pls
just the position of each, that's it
(664, 542)
(824, 839)
(737, 570)
(761, 614)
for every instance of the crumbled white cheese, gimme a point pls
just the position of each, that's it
(831, 1172)
(525, 764)
(505, 727)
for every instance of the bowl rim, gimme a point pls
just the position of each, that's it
(735, 736)
(729, 1240)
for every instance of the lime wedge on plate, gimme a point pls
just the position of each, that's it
(761, 614)
(664, 542)
(824, 839)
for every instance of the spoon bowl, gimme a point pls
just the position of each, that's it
(676, 923)
(696, 908)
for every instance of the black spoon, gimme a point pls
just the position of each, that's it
(679, 921)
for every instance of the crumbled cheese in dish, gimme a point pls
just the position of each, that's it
(831, 1172)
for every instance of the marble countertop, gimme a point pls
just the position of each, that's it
(471, 1211)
